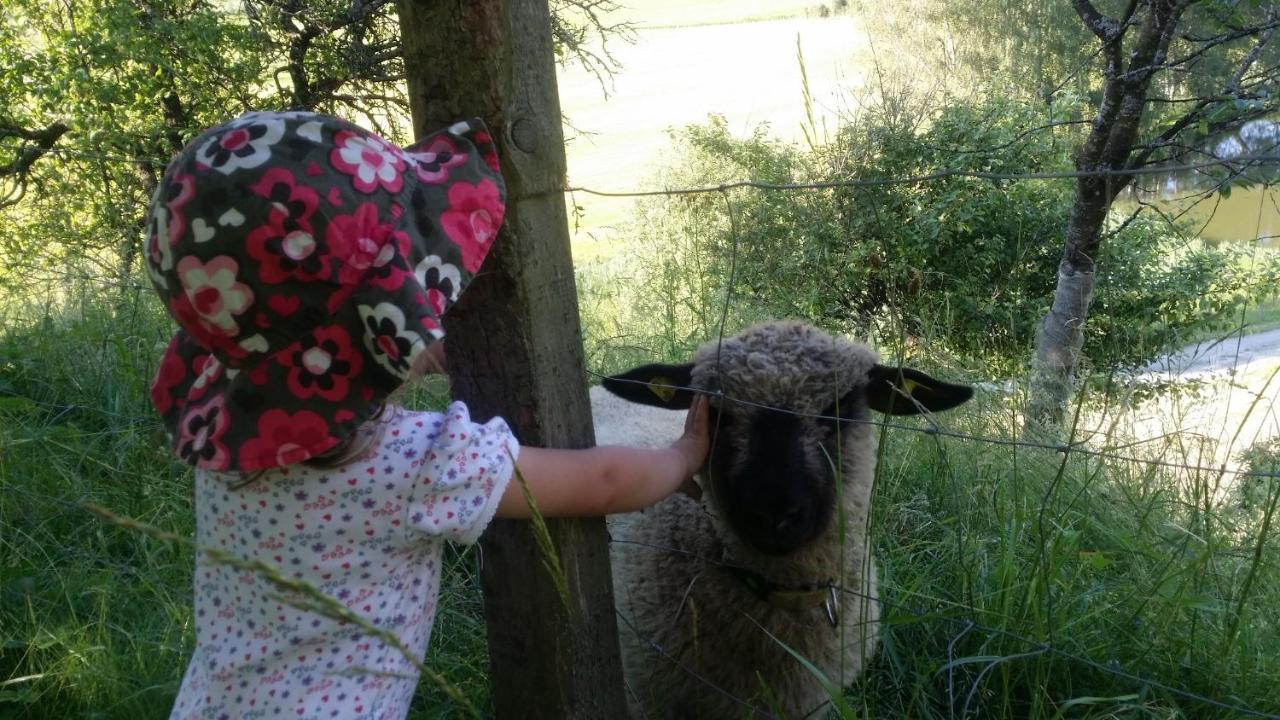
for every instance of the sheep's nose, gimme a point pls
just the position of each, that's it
(789, 519)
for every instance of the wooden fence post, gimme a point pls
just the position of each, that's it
(515, 348)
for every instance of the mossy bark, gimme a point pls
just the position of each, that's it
(515, 350)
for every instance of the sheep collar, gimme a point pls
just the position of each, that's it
(795, 597)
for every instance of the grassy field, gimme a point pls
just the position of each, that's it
(987, 552)
(673, 76)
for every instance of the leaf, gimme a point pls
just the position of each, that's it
(546, 547)
(842, 706)
(1092, 700)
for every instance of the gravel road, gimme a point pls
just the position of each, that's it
(1216, 357)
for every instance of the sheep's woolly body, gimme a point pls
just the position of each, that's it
(669, 561)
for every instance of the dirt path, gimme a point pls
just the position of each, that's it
(1235, 405)
(1243, 355)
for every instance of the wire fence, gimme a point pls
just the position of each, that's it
(1036, 647)
(959, 615)
(966, 624)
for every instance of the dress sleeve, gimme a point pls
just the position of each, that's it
(463, 476)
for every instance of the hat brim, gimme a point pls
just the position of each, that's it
(301, 401)
(298, 379)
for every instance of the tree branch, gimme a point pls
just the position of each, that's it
(1233, 86)
(37, 143)
(1106, 28)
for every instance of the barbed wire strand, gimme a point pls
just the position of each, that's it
(1231, 165)
(932, 428)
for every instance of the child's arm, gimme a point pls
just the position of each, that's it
(603, 480)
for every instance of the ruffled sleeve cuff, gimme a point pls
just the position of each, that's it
(463, 477)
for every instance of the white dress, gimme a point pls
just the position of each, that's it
(369, 535)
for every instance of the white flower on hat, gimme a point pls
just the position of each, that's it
(368, 160)
(391, 344)
(242, 145)
(214, 292)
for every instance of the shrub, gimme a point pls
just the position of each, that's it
(968, 264)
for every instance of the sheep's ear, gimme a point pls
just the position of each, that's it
(664, 386)
(904, 391)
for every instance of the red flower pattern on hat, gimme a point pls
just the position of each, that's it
(172, 371)
(433, 159)
(214, 292)
(207, 369)
(168, 223)
(284, 439)
(284, 245)
(200, 433)
(472, 220)
(361, 242)
(322, 364)
(369, 161)
(307, 263)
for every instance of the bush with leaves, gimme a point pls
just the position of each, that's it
(965, 263)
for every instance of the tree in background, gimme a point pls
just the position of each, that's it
(1174, 74)
(959, 266)
(1144, 83)
(101, 93)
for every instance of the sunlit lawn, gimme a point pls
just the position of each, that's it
(675, 76)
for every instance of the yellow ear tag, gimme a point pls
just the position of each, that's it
(911, 385)
(660, 386)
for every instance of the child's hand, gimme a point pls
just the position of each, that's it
(695, 443)
(610, 479)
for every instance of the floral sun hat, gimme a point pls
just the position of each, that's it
(307, 263)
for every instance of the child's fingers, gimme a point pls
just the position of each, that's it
(695, 423)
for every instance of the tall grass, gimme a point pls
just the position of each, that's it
(96, 620)
(993, 555)
(1020, 582)
(1017, 583)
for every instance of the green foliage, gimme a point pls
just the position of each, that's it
(109, 70)
(965, 264)
(1132, 567)
(1162, 291)
(1034, 53)
(95, 617)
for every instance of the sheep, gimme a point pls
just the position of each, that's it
(721, 577)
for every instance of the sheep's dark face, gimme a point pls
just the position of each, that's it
(774, 473)
(782, 442)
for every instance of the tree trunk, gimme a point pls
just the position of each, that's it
(1060, 337)
(515, 349)
(1108, 149)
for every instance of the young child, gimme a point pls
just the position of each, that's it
(307, 263)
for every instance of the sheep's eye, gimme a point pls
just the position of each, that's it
(839, 413)
(831, 419)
